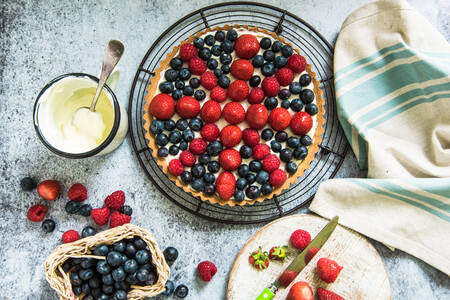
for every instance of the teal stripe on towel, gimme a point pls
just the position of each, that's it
(437, 186)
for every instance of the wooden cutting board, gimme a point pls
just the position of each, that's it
(363, 276)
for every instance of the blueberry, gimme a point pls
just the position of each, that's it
(199, 42)
(311, 109)
(269, 55)
(252, 192)
(223, 81)
(300, 152)
(262, 177)
(170, 254)
(177, 94)
(307, 96)
(123, 258)
(77, 290)
(96, 293)
(196, 124)
(173, 150)
(67, 265)
(265, 43)
(176, 63)
(182, 124)
(281, 136)
(120, 295)
(284, 94)
(85, 274)
(258, 61)
(209, 189)
(212, 63)
(219, 36)
(188, 135)
(169, 125)
(214, 148)
(72, 207)
(245, 151)
(186, 177)
(101, 250)
(271, 103)
(267, 134)
(286, 154)
(275, 146)
(85, 210)
(304, 80)
(130, 266)
(232, 35)
(170, 286)
(268, 69)
(306, 140)
(199, 95)
(142, 257)
(75, 279)
(88, 297)
(250, 178)
(255, 166)
(130, 250)
(204, 53)
(139, 243)
(188, 91)
(198, 185)
(162, 139)
(198, 170)
(225, 58)
(156, 126)
(293, 142)
(95, 282)
(194, 82)
(225, 69)
(241, 183)
(163, 152)
(175, 137)
(179, 84)
(295, 88)
(296, 105)
(166, 87)
(171, 75)
(209, 178)
(291, 167)
(88, 231)
(113, 258)
(255, 81)
(210, 40)
(107, 290)
(227, 46)
(216, 50)
(121, 285)
(28, 184)
(218, 73)
(276, 46)
(184, 74)
(107, 279)
(183, 145)
(131, 278)
(239, 195)
(118, 274)
(286, 50)
(48, 225)
(182, 291)
(266, 189)
(85, 289)
(213, 167)
(285, 104)
(280, 61)
(243, 170)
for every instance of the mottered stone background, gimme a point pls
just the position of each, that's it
(40, 40)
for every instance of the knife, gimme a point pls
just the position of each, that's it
(299, 262)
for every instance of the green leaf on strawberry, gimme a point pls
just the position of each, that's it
(259, 259)
(279, 253)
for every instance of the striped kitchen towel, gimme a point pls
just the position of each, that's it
(393, 93)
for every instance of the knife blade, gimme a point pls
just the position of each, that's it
(299, 262)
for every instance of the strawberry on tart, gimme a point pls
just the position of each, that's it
(234, 115)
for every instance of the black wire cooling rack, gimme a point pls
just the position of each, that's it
(318, 53)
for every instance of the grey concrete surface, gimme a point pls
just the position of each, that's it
(40, 40)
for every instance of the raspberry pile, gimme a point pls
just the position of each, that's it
(203, 85)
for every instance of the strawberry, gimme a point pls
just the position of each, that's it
(162, 107)
(197, 146)
(260, 151)
(279, 118)
(197, 66)
(256, 116)
(187, 107)
(70, 236)
(300, 239)
(242, 69)
(238, 90)
(210, 132)
(187, 51)
(259, 259)
(250, 137)
(230, 135)
(256, 95)
(230, 159)
(187, 158)
(233, 113)
(301, 123)
(277, 178)
(328, 270)
(100, 215)
(211, 111)
(218, 94)
(176, 167)
(296, 63)
(49, 189)
(208, 80)
(206, 270)
(115, 200)
(118, 219)
(36, 213)
(284, 76)
(300, 291)
(324, 294)
(270, 86)
(278, 253)
(225, 184)
(310, 254)
(287, 277)
(246, 46)
(77, 192)
(270, 163)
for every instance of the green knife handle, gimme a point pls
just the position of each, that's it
(267, 294)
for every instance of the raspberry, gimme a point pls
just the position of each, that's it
(187, 107)
(100, 215)
(211, 111)
(260, 151)
(70, 236)
(197, 66)
(270, 86)
(301, 123)
(77, 192)
(115, 200)
(230, 159)
(233, 113)
(206, 270)
(323, 294)
(210, 132)
(257, 116)
(328, 270)
(250, 137)
(197, 146)
(270, 163)
(187, 158)
(310, 254)
(279, 118)
(49, 189)
(284, 76)
(277, 177)
(256, 95)
(218, 94)
(246, 46)
(230, 135)
(36, 213)
(225, 185)
(118, 219)
(300, 239)
(208, 80)
(187, 51)
(238, 90)
(296, 63)
(176, 167)
(162, 107)
(242, 69)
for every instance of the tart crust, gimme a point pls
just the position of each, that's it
(152, 90)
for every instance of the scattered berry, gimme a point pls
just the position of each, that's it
(197, 147)
(162, 107)
(301, 123)
(211, 111)
(246, 46)
(170, 254)
(257, 116)
(270, 86)
(287, 277)
(310, 254)
(260, 151)
(187, 51)
(230, 159)
(118, 219)
(169, 288)
(225, 185)
(176, 167)
(328, 270)
(115, 200)
(242, 69)
(48, 225)
(70, 236)
(88, 231)
(206, 270)
(233, 113)
(238, 90)
(230, 135)
(49, 189)
(300, 239)
(277, 178)
(181, 291)
(28, 184)
(279, 118)
(324, 294)
(36, 213)
(100, 215)
(210, 132)
(259, 259)
(72, 207)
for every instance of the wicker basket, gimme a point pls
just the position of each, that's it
(60, 282)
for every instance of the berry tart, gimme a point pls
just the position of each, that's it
(234, 115)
